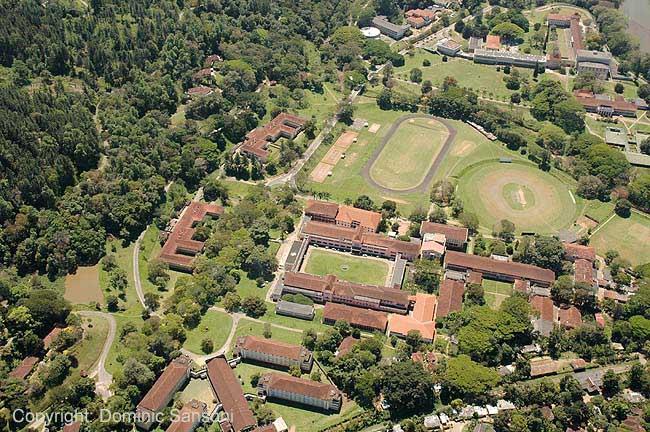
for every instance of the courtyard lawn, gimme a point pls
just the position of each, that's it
(495, 292)
(347, 267)
(297, 323)
(408, 155)
(149, 250)
(214, 325)
(629, 236)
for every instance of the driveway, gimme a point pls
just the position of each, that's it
(103, 378)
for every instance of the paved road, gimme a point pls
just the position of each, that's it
(136, 268)
(104, 378)
(424, 184)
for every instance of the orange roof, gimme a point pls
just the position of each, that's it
(576, 251)
(160, 393)
(425, 307)
(51, 337)
(589, 100)
(306, 387)
(451, 297)
(493, 42)
(544, 305)
(272, 347)
(487, 265)
(356, 317)
(584, 271)
(284, 124)
(452, 232)
(230, 394)
(600, 319)
(24, 368)
(72, 427)
(179, 243)
(522, 285)
(570, 317)
(427, 14)
(353, 215)
(402, 324)
(346, 345)
(321, 208)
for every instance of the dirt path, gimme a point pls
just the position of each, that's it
(104, 378)
(424, 184)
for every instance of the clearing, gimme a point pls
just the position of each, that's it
(372, 271)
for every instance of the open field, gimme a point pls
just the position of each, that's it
(532, 199)
(495, 292)
(630, 237)
(347, 267)
(484, 79)
(214, 325)
(149, 250)
(299, 324)
(83, 286)
(409, 153)
(333, 156)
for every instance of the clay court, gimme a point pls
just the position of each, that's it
(532, 199)
(83, 286)
(374, 128)
(333, 156)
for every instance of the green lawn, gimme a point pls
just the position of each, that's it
(149, 250)
(299, 324)
(495, 191)
(599, 211)
(410, 152)
(495, 292)
(484, 79)
(630, 237)
(347, 267)
(215, 326)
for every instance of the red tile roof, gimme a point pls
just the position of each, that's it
(576, 35)
(291, 384)
(72, 427)
(425, 307)
(600, 319)
(543, 367)
(576, 251)
(203, 73)
(352, 215)
(271, 347)
(451, 297)
(24, 368)
(322, 209)
(346, 345)
(427, 14)
(487, 265)
(356, 317)
(188, 417)
(544, 305)
(199, 91)
(456, 233)
(570, 317)
(283, 125)
(474, 277)
(422, 319)
(331, 285)
(584, 271)
(51, 337)
(180, 239)
(522, 285)
(493, 42)
(230, 393)
(162, 390)
(590, 101)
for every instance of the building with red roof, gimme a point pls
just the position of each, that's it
(160, 394)
(570, 317)
(492, 43)
(545, 322)
(180, 248)
(584, 271)
(573, 251)
(72, 427)
(298, 390)
(273, 352)
(189, 417)
(604, 104)
(365, 319)
(450, 297)
(331, 289)
(284, 125)
(346, 345)
(230, 394)
(51, 337)
(422, 320)
(25, 368)
(600, 319)
(500, 270)
(455, 236)
(345, 216)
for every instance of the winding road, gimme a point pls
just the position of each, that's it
(104, 378)
(424, 184)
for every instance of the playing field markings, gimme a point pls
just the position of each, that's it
(572, 198)
(374, 128)
(333, 156)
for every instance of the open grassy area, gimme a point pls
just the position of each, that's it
(299, 324)
(83, 287)
(347, 267)
(629, 236)
(495, 292)
(484, 79)
(149, 251)
(214, 325)
(408, 155)
(534, 200)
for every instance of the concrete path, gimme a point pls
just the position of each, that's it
(103, 378)
(424, 184)
(136, 268)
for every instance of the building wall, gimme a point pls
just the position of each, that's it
(601, 74)
(330, 405)
(274, 359)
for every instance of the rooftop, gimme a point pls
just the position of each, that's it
(159, 394)
(306, 387)
(487, 265)
(511, 55)
(353, 215)
(229, 392)
(584, 271)
(355, 316)
(24, 368)
(283, 124)
(321, 208)
(456, 233)
(493, 42)
(188, 417)
(570, 317)
(346, 346)
(451, 297)
(272, 347)
(575, 251)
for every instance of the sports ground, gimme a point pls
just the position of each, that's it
(347, 267)
(533, 199)
(629, 236)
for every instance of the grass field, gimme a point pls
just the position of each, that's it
(532, 199)
(408, 155)
(299, 324)
(484, 79)
(83, 286)
(630, 237)
(347, 267)
(215, 326)
(495, 292)
(149, 250)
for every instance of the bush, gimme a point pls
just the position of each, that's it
(426, 62)
(207, 346)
